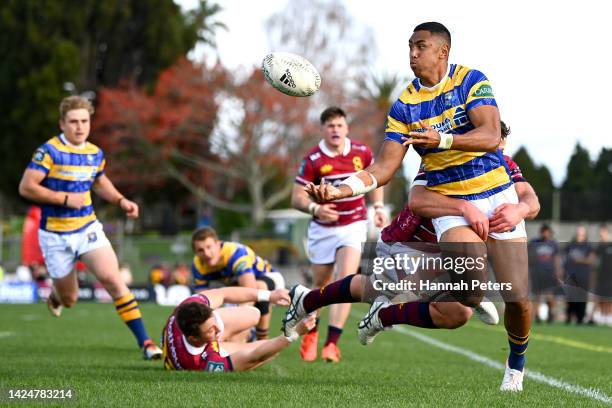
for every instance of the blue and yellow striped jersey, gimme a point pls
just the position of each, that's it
(445, 107)
(72, 170)
(236, 260)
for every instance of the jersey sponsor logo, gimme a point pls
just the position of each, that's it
(92, 237)
(448, 99)
(39, 155)
(214, 367)
(240, 266)
(483, 91)
(357, 163)
(460, 117)
(90, 158)
(326, 168)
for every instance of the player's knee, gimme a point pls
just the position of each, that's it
(522, 308)
(454, 317)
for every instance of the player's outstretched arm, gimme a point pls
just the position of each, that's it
(236, 294)
(268, 349)
(431, 204)
(106, 189)
(387, 162)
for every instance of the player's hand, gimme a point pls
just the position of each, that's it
(323, 193)
(507, 216)
(476, 219)
(129, 207)
(380, 218)
(76, 200)
(306, 325)
(430, 138)
(327, 213)
(280, 297)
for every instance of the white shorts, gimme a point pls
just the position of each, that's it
(61, 251)
(323, 242)
(487, 206)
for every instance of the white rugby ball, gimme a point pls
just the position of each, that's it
(291, 74)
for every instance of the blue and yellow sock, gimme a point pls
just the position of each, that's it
(129, 312)
(518, 347)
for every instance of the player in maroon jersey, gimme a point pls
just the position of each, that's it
(414, 235)
(198, 337)
(338, 229)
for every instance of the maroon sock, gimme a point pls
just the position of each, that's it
(333, 335)
(336, 292)
(412, 313)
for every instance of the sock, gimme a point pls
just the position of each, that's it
(518, 347)
(336, 292)
(129, 312)
(333, 334)
(261, 333)
(316, 328)
(412, 313)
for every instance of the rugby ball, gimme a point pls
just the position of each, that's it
(291, 74)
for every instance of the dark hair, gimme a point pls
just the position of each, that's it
(505, 129)
(202, 233)
(332, 112)
(190, 317)
(545, 227)
(435, 28)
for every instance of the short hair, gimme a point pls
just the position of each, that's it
(203, 233)
(435, 28)
(505, 129)
(74, 102)
(190, 316)
(331, 113)
(545, 227)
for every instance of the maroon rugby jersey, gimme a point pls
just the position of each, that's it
(177, 355)
(409, 227)
(320, 165)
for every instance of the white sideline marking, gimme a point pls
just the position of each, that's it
(592, 393)
(6, 334)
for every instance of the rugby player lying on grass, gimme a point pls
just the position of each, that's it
(198, 335)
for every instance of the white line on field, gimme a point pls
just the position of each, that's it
(6, 334)
(592, 393)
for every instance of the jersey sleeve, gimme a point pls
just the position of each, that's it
(41, 160)
(397, 122)
(477, 90)
(241, 262)
(515, 171)
(306, 173)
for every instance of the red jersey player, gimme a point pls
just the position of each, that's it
(198, 337)
(338, 229)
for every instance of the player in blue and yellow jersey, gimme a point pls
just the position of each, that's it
(225, 263)
(450, 116)
(60, 177)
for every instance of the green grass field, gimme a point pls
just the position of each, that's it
(89, 350)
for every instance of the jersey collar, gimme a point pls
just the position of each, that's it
(67, 143)
(194, 351)
(327, 152)
(431, 88)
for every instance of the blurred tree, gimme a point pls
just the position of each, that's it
(51, 48)
(579, 176)
(540, 179)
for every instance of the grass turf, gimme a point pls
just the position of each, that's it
(90, 351)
